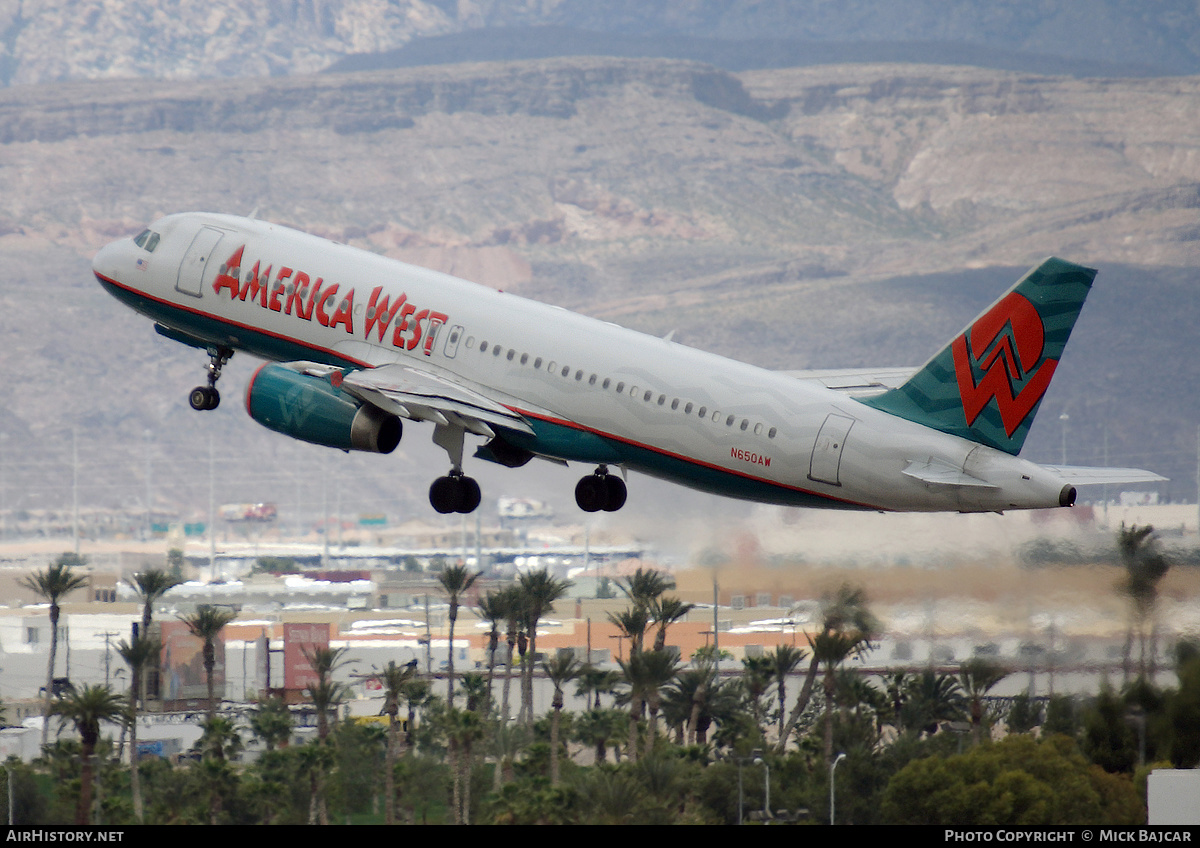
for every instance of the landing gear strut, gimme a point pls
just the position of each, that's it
(601, 491)
(207, 397)
(456, 492)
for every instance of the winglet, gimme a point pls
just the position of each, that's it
(986, 384)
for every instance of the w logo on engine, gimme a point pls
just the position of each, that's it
(1000, 358)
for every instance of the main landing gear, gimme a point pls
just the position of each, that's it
(456, 492)
(601, 491)
(207, 397)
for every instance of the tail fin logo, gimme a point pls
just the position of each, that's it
(1005, 346)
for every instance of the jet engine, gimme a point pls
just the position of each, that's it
(312, 409)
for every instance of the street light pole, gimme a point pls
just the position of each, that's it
(832, 794)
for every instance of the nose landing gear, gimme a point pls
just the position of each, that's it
(207, 397)
(601, 491)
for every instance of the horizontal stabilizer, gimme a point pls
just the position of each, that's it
(943, 474)
(857, 382)
(1082, 476)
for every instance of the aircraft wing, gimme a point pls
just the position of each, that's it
(420, 396)
(857, 382)
(1082, 476)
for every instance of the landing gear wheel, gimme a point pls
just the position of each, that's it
(444, 495)
(454, 493)
(591, 493)
(471, 496)
(204, 397)
(207, 397)
(616, 493)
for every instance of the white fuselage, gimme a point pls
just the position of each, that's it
(599, 393)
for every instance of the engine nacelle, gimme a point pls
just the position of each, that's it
(309, 408)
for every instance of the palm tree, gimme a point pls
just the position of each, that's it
(456, 580)
(54, 583)
(325, 693)
(539, 591)
(206, 624)
(86, 709)
(138, 656)
(513, 602)
(631, 623)
(646, 585)
(931, 699)
(594, 682)
(784, 660)
(664, 612)
(1145, 565)
(756, 679)
(272, 722)
(463, 727)
(150, 586)
(561, 670)
(976, 677)
(493, 608)
(393, 679)
(847, 628)
(646, 674)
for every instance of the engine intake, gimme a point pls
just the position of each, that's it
(309, 408)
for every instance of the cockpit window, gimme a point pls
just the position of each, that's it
(147, 240)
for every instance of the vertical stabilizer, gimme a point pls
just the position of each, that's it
(987, 383)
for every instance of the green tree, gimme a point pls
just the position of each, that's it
(206, 624)
(87, 708)
(54, 583)
(1017, 782)
(1023, 714)
(1107, 738)
(456, 581)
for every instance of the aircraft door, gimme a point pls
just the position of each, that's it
(452, 340)
(195, 261)
(826, 458)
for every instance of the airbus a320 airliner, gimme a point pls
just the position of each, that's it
(356, 343)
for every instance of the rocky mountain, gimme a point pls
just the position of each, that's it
(54, 40)
(804, 217)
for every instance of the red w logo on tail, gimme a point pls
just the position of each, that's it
(1007, 359)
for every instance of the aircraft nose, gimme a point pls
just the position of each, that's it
(107, 263)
